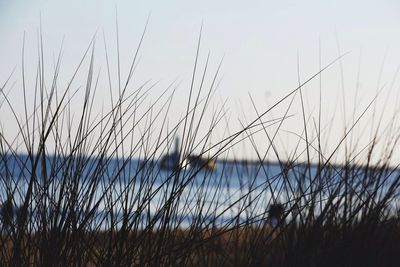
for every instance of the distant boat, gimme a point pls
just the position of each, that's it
(172, 161)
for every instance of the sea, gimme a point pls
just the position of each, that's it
(104, 191)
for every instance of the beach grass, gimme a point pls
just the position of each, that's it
(82, 187)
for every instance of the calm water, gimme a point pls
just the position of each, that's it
(234, 191)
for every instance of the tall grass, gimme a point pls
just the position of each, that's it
(89, 189)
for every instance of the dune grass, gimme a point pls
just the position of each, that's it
(87, 189)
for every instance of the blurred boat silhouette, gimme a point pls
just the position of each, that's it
(174, 161)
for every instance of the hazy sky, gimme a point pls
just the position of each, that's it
(261, 41)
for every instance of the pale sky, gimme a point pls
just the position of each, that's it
(261, 41)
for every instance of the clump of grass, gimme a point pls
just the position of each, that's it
(89, 189)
